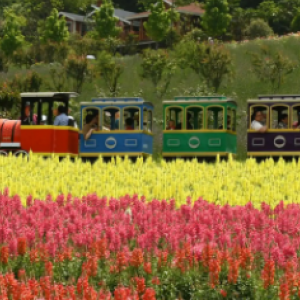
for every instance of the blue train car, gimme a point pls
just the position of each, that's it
(124, 127)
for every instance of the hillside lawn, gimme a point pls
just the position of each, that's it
(243, 86)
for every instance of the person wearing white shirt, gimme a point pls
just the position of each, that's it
(256, 123)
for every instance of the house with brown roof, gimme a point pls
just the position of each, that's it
(189, 17)
(134, 22)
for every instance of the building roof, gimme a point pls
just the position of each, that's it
(73, 17)
(121, 14)
(191, 9)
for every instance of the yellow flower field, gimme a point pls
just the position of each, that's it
(234, 183)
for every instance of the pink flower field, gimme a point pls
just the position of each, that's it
(127, 248)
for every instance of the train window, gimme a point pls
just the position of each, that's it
(215, 117)
(264, 110)
(110, 119)
(149, 120)
(94, 111)
(296, 116)
(45, 114)
(279, 117)
(194, 118)
(145, 119)
(174, 116)
(233, 120)
(131, 118)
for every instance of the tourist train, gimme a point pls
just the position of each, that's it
(203, 127)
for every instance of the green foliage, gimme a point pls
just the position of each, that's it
(272, 67)
(59, 80)
(12, 36)
(55, 29)
(240, 20)
(3, 63)
(105, 22)
(24, 56)
(196, 35)
(213, 63)
(159, 68)
(10, 101)
(159, 21)
(189, 54)
(55, 52)
(110, 69)
(295, 24)
(83, 45)
(258, 28)
(77, 69)
(130, 43)
(267, 10)
(216, 18)
(216, 66)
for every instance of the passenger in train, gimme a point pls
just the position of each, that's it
(171, 125)
(283, 123)
(117, 120)
(62, 119)
(26, 120)
(257, 118)
(129, 124)
(91, 125)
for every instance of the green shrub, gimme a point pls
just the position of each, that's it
(258, 28)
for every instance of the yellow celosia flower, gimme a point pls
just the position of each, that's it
(231, 182)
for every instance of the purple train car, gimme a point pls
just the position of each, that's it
(280, 116)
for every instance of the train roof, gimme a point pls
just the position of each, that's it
(201, 99)
(117, 101)
(275, 98)
(49, 95)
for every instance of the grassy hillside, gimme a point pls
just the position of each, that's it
(244, 85)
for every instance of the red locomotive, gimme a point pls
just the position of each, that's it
(25, 135)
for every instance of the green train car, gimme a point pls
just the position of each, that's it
(199, 127)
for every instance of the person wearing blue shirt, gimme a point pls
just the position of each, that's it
(62, 119)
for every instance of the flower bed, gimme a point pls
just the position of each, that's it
(233, 183)
(95, 248)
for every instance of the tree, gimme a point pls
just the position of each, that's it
(55, 29)
(212, 63)
(271, 67)
(77, 68)
(36, 12)
(159, 68)
(12, 36)
(216, 18)
(216, 66)
(267, 10)
(159, 21)
(239, 23)
(110, 70)
(105, 22)
(295, 24)
(258, 28)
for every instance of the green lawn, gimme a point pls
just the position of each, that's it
(244, 84)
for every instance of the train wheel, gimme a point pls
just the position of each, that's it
(21, 153)
(3, 153)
